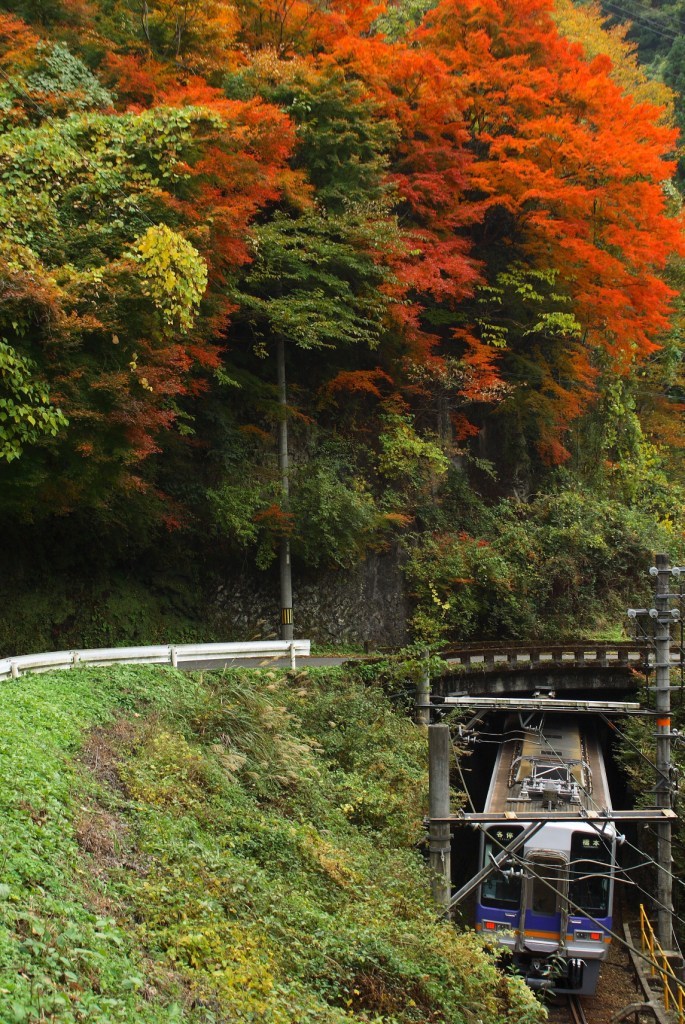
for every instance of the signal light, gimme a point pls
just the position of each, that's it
(498, 926)
(581, 936)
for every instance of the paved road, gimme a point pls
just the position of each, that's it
(214, 664)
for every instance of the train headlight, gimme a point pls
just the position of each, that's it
(585, 936)
(497, 926)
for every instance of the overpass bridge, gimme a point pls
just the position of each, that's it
(518, 668)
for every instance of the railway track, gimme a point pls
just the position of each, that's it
(576, 1011)
(566, 1010)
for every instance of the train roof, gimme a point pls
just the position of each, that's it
(558, 765)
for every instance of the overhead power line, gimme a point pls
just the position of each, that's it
(643, 853)
(642, 20)
(524, 864)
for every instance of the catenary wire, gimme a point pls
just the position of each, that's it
(614, 935)
(630, 743)
(642, 20)
(650, 896)
(637, 849)
(643, 853)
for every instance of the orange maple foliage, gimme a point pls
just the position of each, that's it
(587, 25)
(570, 170)
(511, 147)
(509, 139)
(359, 381)
(140, 79)
(17, 42)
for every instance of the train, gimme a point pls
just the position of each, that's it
(550, 902)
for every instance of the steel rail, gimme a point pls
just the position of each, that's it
(576, 1010)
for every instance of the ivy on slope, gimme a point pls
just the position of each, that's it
(238, 847)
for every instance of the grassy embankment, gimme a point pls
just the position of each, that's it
(227, 848)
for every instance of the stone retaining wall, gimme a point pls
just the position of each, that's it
(365, 603)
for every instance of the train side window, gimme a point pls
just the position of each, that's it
(496, 890)
(589, 873)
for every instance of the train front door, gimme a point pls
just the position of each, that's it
(544, 901)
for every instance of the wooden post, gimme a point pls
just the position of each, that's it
(422, 711)
(439, 807)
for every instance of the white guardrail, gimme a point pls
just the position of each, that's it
(162, 654)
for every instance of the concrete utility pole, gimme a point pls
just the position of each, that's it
(439, 807)
(662, 572)
(287, 626)
(422, 711)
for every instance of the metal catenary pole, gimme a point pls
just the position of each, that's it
(439, 744)
(663, 749)
(287, 626)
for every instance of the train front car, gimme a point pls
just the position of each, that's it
(550, 902)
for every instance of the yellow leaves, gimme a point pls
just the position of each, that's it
(586, 24)
(444, 606)
(171, 774)
(173, 275)
(236, 959)
(330, 859)
(133, 366)
(206, 28)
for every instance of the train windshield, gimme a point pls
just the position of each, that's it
(547, 884)
(498, 890)
(590, 874)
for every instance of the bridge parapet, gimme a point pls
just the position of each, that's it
(519, 667)
(497, 656)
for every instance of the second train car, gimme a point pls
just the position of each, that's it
(550, 903)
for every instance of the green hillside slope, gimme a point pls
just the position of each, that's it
(227, 848)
